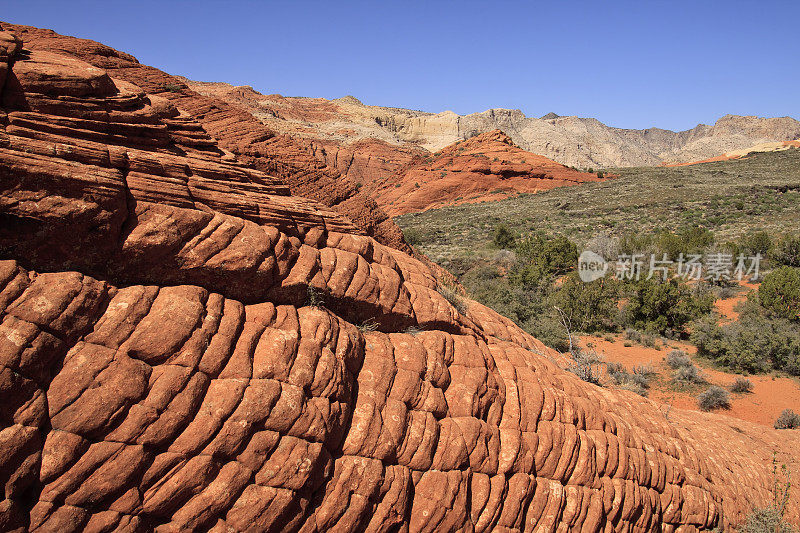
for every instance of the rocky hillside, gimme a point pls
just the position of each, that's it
(486, 167)
(185, 345)
(572, 141)
(237, 132)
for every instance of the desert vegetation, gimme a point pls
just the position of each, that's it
(770, 519)
(518, 256)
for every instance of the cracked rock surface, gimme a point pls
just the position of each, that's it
(184, 345)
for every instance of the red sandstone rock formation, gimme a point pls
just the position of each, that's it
(235, 130)
(185, 346)
(488, 166)
(402, 177)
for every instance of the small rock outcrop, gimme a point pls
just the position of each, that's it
(186, 346)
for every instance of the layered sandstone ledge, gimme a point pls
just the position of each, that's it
(186, 346)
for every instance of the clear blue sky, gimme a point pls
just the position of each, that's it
(637, 64)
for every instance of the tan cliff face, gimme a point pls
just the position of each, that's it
(572, 141)
(185, 344)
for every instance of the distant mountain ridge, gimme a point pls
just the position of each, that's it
(570, 140)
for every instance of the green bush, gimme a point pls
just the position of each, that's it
(787, 251)
(759, 242)
(714, 398)
(665, 307)
(503, 237)
(696, 238)
(754, 343)
(412, 236)
(541, 257)
(780, 292)
(589, 306)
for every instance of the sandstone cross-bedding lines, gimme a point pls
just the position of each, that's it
(185, 346)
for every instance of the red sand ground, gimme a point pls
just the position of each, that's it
(770, 396)
(727, 308)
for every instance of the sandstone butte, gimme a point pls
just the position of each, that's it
(488, 166)
(185, 345)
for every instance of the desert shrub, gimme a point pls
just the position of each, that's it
(677, 359)
(315, 297)
(644, 370)
(780, 292)
(788, 419)
(586, 365)
(633, 335)
(451, 295)
(648, 340)
(368, 325)
(766, 520)
(769, 519)
(665, 307)
(605, 246)
(688, 375)
(412, 236)
(637, 382)
(503, 237)
(754, 343)
(641, 380)
(723, 292)
(633, 386)
(412, 330)
(616, 371)
(589, 306)
(741, 384)
(172, 87)
(715, 397)
(787, 251)
(542, 257)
